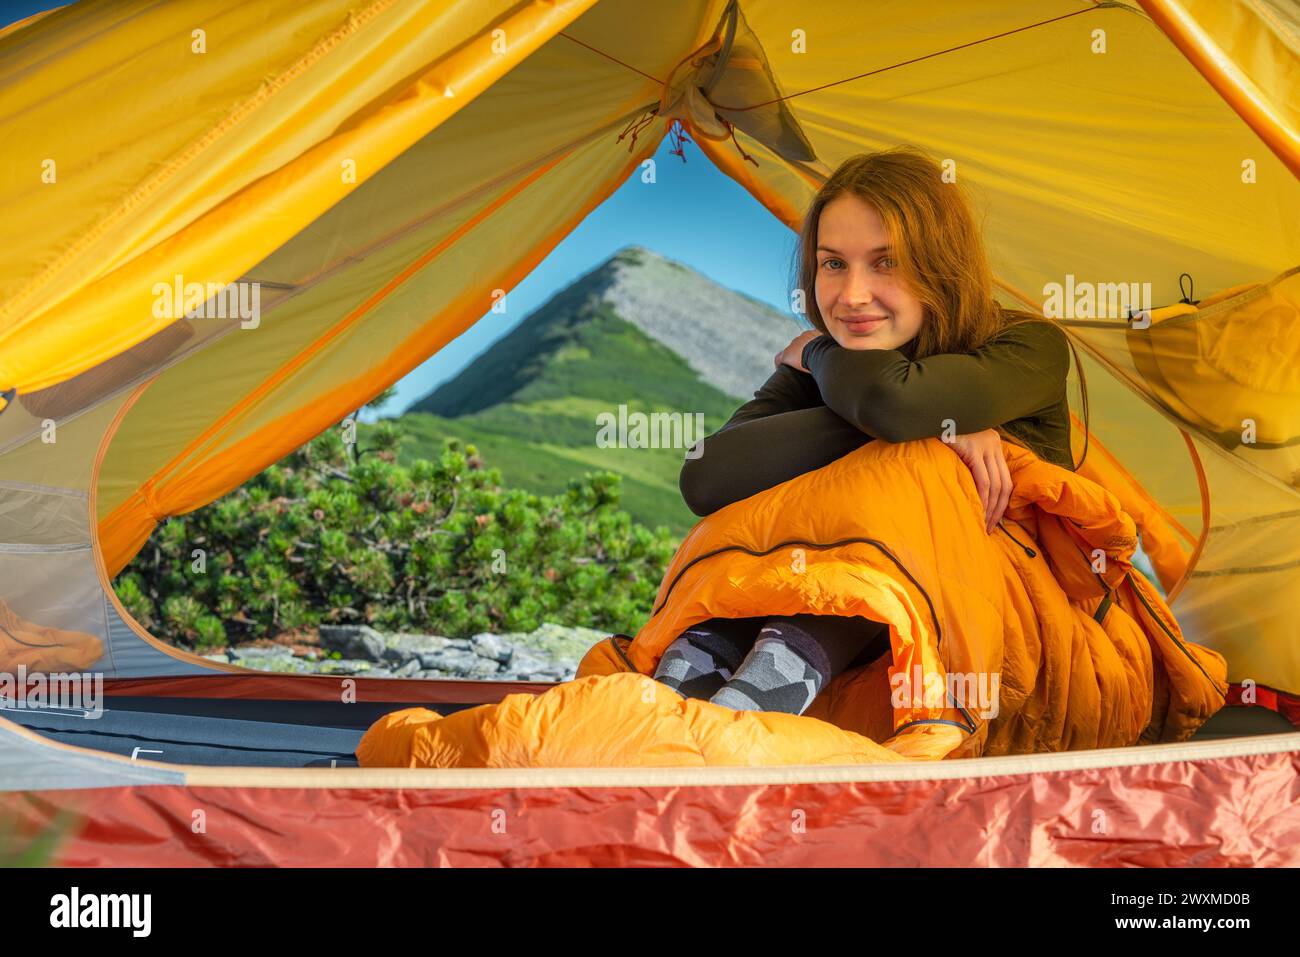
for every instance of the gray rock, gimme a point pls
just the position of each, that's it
(277, 663)
(353, 641)
(459, 662)
(408, 670)
(491, 646)
(254, 653)
(331, 666)
(530, 667)
(403, 647)
(526, 661)
(549, 653)
(558, 642)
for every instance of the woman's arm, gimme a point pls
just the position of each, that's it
(784, 431)
(787, 431)
(785, 390)
(746, 458)
(1018, 373)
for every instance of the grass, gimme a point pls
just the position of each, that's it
(530, 405)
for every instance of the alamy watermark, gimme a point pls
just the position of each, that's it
(654, 430)
(973, 690)
(211, 300)
(80, 692)
(130, 911)
(1105, 300)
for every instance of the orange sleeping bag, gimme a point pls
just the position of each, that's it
(1039, 637)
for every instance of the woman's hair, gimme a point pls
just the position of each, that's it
(936, 244)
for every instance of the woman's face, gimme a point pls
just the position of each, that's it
(862, 300)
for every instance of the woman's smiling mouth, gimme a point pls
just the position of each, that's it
(861, 324)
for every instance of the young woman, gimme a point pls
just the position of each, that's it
(909, 344)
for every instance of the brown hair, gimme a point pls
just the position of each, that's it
(936, 244)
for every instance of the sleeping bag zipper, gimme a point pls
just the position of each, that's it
(1181, 647)
(613, 640)
(1105, 604)
(1028, 551)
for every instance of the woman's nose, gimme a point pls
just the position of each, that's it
(858, 288)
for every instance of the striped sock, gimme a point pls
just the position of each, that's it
(773, 677)
(703, 658)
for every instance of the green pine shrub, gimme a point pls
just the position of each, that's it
(333, 535)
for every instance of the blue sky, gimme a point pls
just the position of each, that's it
(11, 10)
(692, 213)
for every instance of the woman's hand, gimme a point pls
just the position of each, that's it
(792, 355)
(982, 453)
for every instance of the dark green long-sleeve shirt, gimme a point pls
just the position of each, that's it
(798, 422)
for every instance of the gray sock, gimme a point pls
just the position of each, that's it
(773, 677)
(703, 658)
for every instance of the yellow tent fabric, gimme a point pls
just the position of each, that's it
(381, 169)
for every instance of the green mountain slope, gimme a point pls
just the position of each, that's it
(531, 402)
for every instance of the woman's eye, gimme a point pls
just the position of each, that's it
(887, 262)
(827, 263)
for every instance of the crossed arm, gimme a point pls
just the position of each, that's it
(798, 421)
